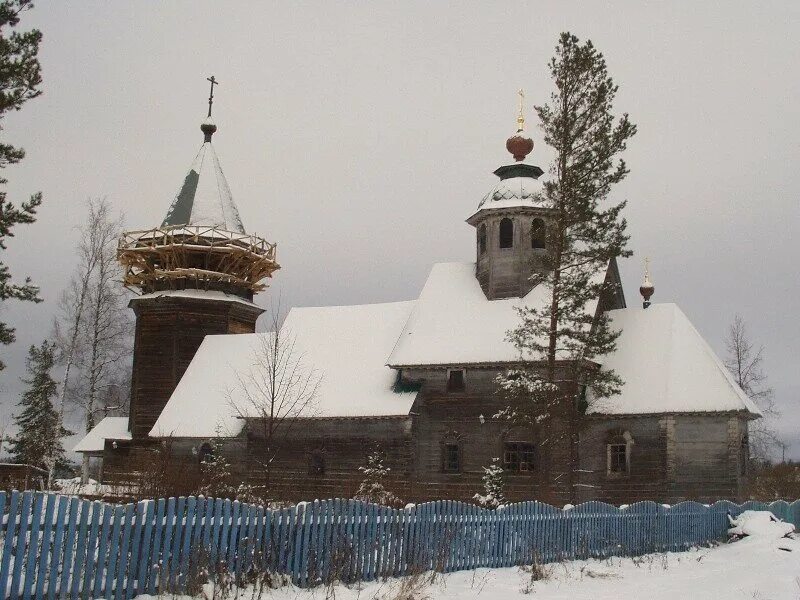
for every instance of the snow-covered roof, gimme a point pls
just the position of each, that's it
(110, 428)
(454, 323)
(519, 187)
(346, 345)
(667, 367)
(196, 295)
(515, 191)
(204, 197)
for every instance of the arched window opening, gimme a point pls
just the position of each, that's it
(316, 464)
(206, 454)
(506, 233)
(538, 234)
(618, 453)
(744, 454)
(451, 452)
(482, 239)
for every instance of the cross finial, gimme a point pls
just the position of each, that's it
(521, 115)
(647, 267)
(211, 95)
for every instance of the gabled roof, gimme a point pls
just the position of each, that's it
(204, 197)
(346, 345)
(453, 323)
(110, 428)
(667, 367)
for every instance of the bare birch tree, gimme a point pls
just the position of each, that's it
(94, 329)
(745, 362)
(278, 390)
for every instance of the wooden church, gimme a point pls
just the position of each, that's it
(413, 379)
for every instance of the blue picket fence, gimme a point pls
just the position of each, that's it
(65, 547)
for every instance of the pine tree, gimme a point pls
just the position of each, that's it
(493, 486)
(372, 488)
(20, 78)
(564, 338)
(39, 439)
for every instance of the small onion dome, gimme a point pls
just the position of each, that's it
(208, 127)
(520, 145)
(647, 288)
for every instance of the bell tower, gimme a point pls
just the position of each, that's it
(196, 274)
(511, 223)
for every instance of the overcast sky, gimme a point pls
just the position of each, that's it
(359, 136)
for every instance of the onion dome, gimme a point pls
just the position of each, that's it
(519, 185)
(647, 288)
(519, 145)
(208, 127)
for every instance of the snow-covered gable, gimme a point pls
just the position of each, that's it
(454, 323)
(667, 367)
(346, 345)
(110, 428)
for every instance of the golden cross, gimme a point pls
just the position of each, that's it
(521, 116)
(646, 267)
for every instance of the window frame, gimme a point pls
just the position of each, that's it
(615, 451)
(529, 452)
(447, 446)
(204, 452)
(317, 465)
(744, 454)
(500, 236)
(463, 387)
(619, 439)
(538, 226)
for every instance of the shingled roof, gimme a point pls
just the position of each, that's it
(204, 197)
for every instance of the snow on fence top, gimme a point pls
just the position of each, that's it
(154, 546)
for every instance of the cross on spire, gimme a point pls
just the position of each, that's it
(521, 116)
(211, 95)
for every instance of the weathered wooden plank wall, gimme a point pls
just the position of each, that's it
(54, 546)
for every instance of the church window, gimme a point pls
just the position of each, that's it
(206, 454)
(455, 380)
(451, 457)
(744, 455)
(537, 234)
(482, 239)
(618, 453)
(316, 464)
(618, 458)
(518, 456)
(506, 233)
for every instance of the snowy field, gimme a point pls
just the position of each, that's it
(765, 565)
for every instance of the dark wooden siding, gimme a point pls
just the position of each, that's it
(169, 330)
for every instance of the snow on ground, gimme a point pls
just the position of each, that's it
(764, 565)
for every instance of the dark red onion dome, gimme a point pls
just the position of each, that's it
(646, 290)
(520, 145)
